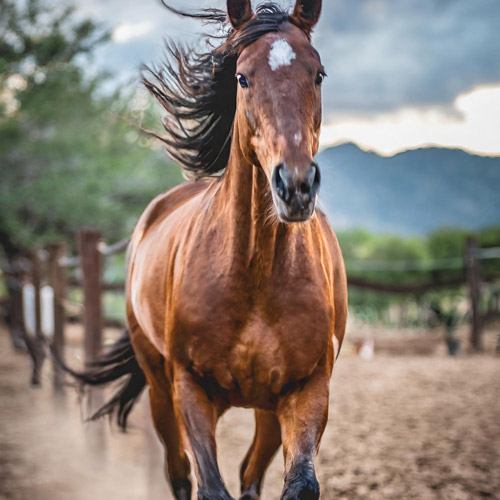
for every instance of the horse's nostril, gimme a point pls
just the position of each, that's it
(305, 188)
(317, 179)
(288, 187)
(278, 182)
(281, 182)
(311, 183)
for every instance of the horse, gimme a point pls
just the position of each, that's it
(236, 288)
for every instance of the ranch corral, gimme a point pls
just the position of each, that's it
(401, 426)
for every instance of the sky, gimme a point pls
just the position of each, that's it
(401, 73)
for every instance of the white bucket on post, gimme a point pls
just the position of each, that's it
(47, 310)
(29, 313)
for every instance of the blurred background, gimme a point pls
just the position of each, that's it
(410, 160)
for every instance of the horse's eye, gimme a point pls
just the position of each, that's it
(242, 81)
(320, 78)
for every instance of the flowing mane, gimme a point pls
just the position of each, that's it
(198, 90)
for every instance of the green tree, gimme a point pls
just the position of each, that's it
(446, 243)
(67, 156)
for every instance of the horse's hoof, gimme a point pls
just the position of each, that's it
(182, 489)
(301, 487)
(216, 494)
(249, 495)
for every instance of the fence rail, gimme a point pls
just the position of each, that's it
(410, 288)
(52, 265)
(114, 249)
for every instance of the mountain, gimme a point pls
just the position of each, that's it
(412, 192)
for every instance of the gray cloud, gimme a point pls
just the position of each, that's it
(385, 54)
(380, 55)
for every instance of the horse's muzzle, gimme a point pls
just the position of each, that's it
(295, 193)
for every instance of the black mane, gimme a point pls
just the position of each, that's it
(198, 90)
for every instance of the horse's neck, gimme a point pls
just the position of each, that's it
(246, 201)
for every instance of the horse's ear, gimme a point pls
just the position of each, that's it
(306, 14)
(239, 12)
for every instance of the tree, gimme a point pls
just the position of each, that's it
(67, 156)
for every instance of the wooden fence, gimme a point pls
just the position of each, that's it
(469, 270)
(51, 266)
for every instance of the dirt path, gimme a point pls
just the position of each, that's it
(399, 428)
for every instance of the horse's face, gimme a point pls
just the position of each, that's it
(279, 116)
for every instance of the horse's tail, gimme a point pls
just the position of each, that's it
(113, 364)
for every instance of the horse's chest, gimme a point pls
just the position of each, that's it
(270, 354)
(258, 340)
(292, 310)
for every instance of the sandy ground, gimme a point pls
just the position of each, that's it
(400, 427)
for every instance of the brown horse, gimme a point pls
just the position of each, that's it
(236, 290)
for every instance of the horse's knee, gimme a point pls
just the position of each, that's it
(301, 483)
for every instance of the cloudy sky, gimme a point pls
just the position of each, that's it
(400, 73)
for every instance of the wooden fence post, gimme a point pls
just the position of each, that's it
(88, 240)
(473, 279)
(90, 261)
(57, 279)
(14, 272)
(38, 350)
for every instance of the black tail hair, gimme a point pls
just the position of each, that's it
(116, 362)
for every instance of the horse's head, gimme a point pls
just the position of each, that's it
(278, 113)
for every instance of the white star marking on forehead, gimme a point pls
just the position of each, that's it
(281, 54)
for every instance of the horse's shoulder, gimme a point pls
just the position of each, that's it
(327, 231)
(167, 202)
(333, 245)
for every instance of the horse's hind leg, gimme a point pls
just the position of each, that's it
(177, 467)
(266, 441)
(199, 414)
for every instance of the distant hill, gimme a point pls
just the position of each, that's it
(412, 192)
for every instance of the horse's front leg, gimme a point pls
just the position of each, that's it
(198, 415)
(303, 414)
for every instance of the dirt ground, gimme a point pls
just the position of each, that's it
(400, 427)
